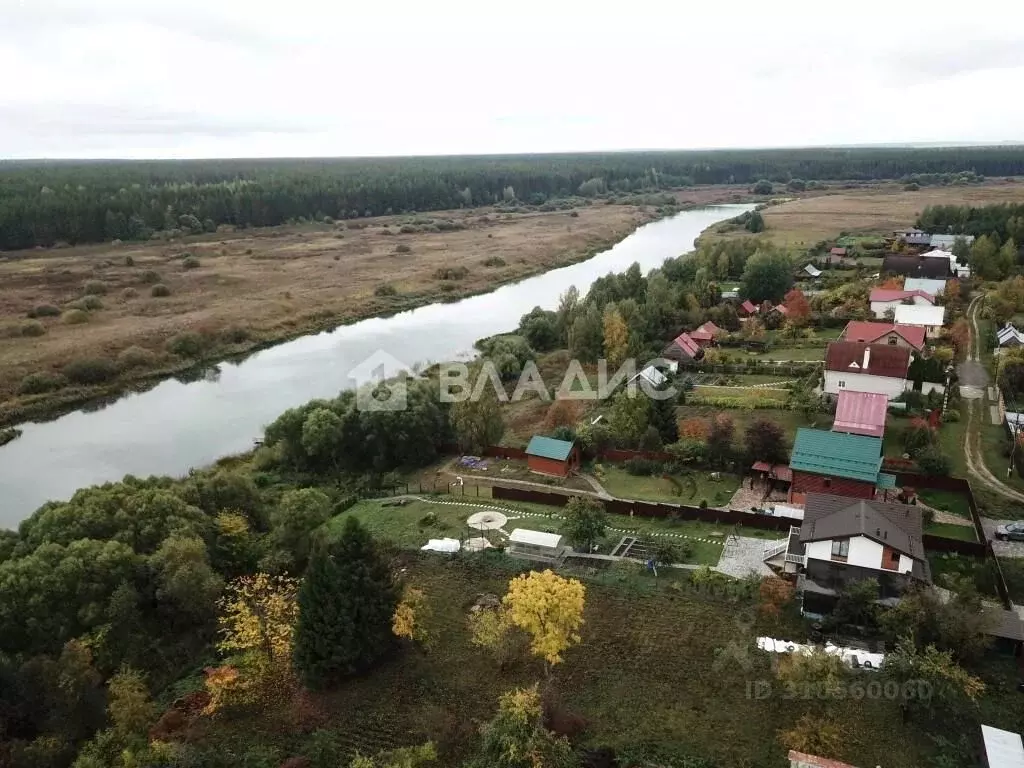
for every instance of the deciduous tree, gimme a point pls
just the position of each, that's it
(767, 276)
(257, 620)
(766, 441)
(584, 522)
(412, 617)
(517, 738)
(549, 608)
(798, 309)
(616, 338)
(477, 421)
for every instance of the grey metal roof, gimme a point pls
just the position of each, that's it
(838, 517)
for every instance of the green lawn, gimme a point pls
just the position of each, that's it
(695, 487)
(994, 441)
(947, 501)
(979, 571)
(790, 353)
(951, 531)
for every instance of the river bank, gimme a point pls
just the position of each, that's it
(177, 425)
(233, 304)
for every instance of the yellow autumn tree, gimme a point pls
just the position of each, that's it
(257, 619)
(616, 338)
(225, 686)
(549, 609)
(412, 616)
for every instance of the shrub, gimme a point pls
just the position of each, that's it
(88, 303)
(639, 466)
(236, 334)
(336, 257)
(406, 229)
(159, 291)
(248, 251)
(94, 288)
(129, 261)
(38, 383)
(951, 415)
(933, 461)
(129, 293)
(90, 370)
(44, 310)
(186, 344)
(450, 273)
(385, 289)
(190, 262)
(150, 276)
(75, 317)
(402, 248)
(134, 357)
(494, 261)
(32, 328)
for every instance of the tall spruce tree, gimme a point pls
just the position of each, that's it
(346, 603)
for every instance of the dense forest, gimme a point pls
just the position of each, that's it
(45, 202)
(1005, 220)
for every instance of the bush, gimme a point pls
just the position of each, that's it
(129, 261)
(32, 328)
(190, 262)
(186, 344)
(128, 293)
(94, 288)
(450, 273)
(44, 310)
(932, 461)
(386, 289)
(75, 317)
(402, 248)
(236, 334)
(159, 291)
(952, 415)
(38, 383)
(89, 303)
(90, 370)
(494, 261)
(639, 466)
(134, 357)
(150, 276)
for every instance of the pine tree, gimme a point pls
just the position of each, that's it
(346, 604)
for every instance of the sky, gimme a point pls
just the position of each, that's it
(226, 78)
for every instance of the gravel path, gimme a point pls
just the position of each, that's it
(743, 555)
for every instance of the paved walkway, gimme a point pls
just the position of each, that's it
(742, 556)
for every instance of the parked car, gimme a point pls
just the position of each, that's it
(1011, 532)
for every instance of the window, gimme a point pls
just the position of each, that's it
(893, 341)
(840, 548)
(828, 482)
(842, 385)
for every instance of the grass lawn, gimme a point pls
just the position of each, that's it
(951, 440)
(994, 441)
(791, 353)
(738, 396)
(788, 420)
(979, 571)
(693, 488)
(642, 675)
(947, 501)
(951, 531)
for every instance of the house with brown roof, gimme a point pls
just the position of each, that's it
(748, 308)
(706, 334)
(683, 349)
(917, 266)
(860, 367)
(844, 540)
(884, 333)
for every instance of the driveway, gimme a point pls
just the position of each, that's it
(1001, 548)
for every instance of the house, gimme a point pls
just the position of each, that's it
(884, 333)
(931, 287)
(878, 368)
(917, 266)
(535, 545)
(1009, 336)
(747, 308)
(781, 309)
(836, 462)
(930, 318)
(811, 270)
(651, 375)
(916, 237)
(946, 241)
(683, 349)
(885, 300)
(847, 540)
(731, 293)
(549, 456)
(707, 333)
(861, 413)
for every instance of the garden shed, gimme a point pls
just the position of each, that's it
(552, 457)
(535, 545)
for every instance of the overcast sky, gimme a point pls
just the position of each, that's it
(212, 78)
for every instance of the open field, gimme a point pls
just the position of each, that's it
(809, 220)
(254, 287)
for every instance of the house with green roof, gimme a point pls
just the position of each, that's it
(552, 457)
(838, 463)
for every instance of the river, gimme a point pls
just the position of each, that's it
(178, 425)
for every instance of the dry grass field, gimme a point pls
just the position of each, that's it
(808, 220)
(258, 286)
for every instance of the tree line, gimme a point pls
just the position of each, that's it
(42, 203)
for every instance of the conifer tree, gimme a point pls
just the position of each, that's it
(346, 604)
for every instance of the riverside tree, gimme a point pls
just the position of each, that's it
(347, 603)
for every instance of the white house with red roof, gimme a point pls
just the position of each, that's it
(887, 299)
